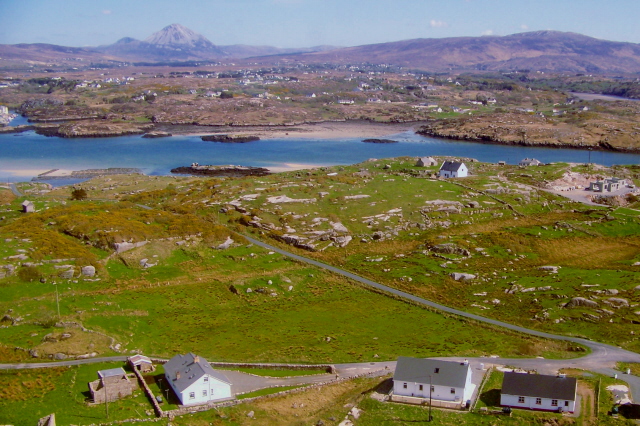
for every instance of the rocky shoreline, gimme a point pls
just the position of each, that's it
(379, 141)
(221, 171)
(230, 138)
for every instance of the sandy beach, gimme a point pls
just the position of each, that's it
(324, 130)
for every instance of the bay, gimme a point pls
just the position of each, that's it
(25, 155)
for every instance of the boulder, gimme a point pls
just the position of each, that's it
(226, 244)
(611, 291)
(552, 269)
(341, 241)
(450, 248)
(60, 356)
(461, 276)
(67, 275)
(581, 301)
(339, 227)
(617, 302)
(88, 271)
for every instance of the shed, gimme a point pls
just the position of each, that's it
(141, 363)
(28, 207)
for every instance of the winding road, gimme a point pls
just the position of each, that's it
(602, 358)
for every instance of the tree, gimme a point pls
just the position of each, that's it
(78, 194)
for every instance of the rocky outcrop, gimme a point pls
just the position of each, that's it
(227, 171)
(230, 138)
(581, 301)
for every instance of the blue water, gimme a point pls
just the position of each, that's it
(24, 155)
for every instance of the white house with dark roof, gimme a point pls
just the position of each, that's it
(539, 392)
(442, 380)
(453, 169)
(194, 381)
(529, 162)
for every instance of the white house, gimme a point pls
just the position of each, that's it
(453, 169)
(607, 185)
(539, 392)
(424, 377)
(194, 381)
(529, 162)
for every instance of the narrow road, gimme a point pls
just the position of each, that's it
(12, 187)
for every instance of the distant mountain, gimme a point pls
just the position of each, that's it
(551, 51)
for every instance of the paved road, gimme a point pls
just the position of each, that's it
(602, 358)
(12, 187)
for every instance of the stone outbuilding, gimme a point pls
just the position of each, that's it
(426, 162)
(111, 385)
(141, 363)
(28, 207)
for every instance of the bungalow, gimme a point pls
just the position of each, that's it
(440, 380)
(453, 169)
(539, 392)
(194, 381)
(607, 185)
(529, 162)
(426, 162)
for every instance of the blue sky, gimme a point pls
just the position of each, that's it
(304, 23)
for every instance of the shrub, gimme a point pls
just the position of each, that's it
(29, 274)
(78, 194)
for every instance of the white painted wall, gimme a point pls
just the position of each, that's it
(530, 403)
(214, 389)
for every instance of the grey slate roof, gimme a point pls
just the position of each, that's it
(451, 166)
(450, 373)
(112, 372)
(539, 386)
(190, 371)
(139, 359)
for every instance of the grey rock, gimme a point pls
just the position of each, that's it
(617, 302)
(581, 301)
(461, 276)
(67, 275)
(60, 356)
(88, 271)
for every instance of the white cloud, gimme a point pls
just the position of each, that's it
(487, 32)
(106, 12)
(438, 24)
(524, 27)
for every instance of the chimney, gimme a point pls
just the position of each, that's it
(465, 362)
(196, 359)
(178, 375)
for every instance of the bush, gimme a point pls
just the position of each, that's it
(78, 194)
(29, 274)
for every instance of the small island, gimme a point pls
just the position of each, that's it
(224, 171)
(379, 141)
(230, 138)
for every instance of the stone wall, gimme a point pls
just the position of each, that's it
(149, 393)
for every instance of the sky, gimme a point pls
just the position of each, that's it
(306, 23)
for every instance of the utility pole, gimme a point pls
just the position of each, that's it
(57, 300)
(106, 398)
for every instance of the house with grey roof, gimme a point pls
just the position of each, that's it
(194, 381)
(28, 207)
(453, 169)
(539, 392)
(433, 378)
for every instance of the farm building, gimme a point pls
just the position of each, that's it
(426, 162)
(141, 363)
(28, 207)
(453, 169)
(194, 381)
(111, 385)
(539, 392)
(440, 380)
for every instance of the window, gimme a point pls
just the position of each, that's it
(437, 370)
(206, 378)
(521, 400)
(538, 401)
(566, 403)
(420, 387)
(554, 402)
(433, 389)
(404, 386)
(204, 392)
(192, 395)
(453, 390)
